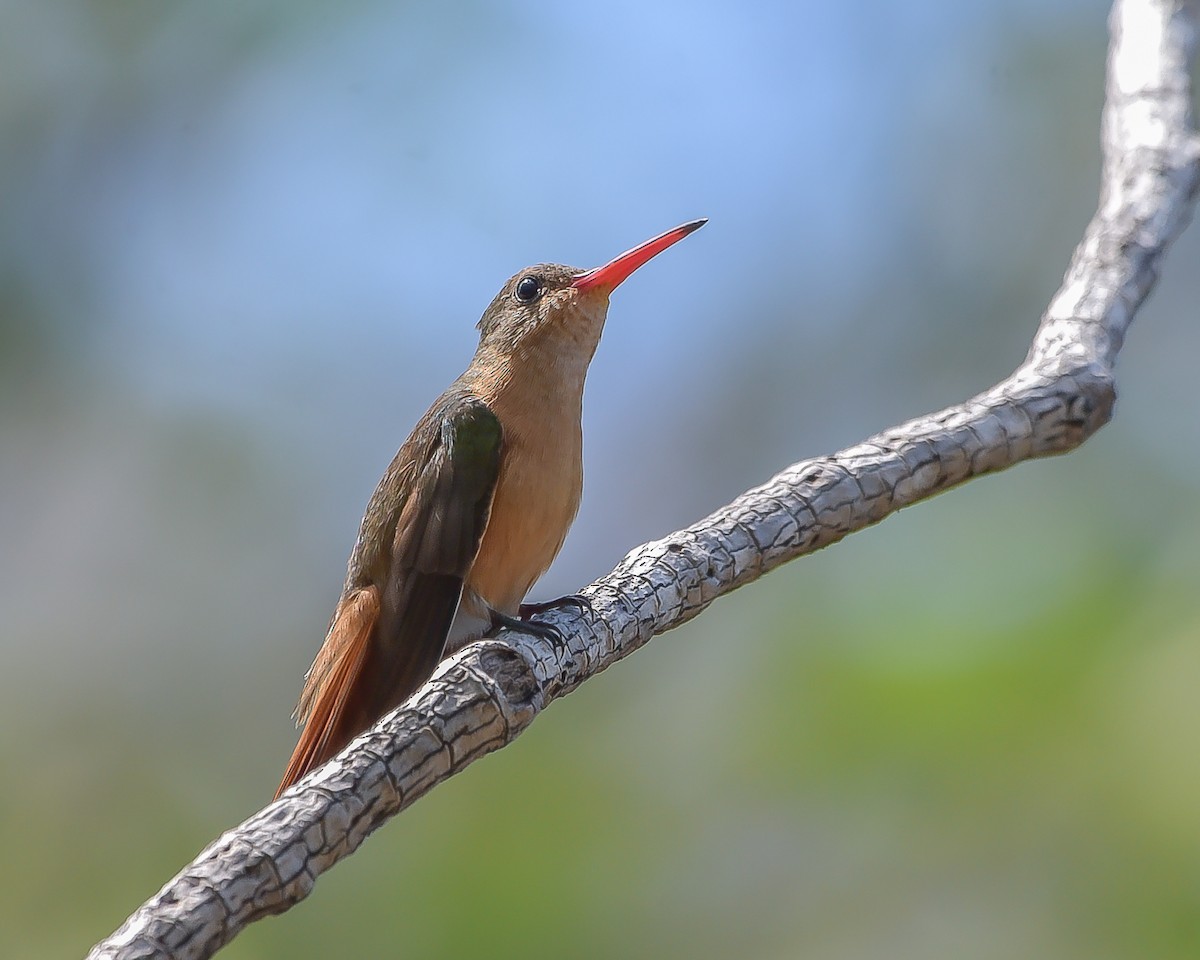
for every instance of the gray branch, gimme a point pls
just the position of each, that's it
(485, 696)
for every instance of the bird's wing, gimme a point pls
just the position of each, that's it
(385, 642)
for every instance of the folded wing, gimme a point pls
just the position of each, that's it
(387, 638)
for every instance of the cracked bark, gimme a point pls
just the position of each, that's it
(485, 696)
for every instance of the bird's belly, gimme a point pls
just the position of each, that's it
(537, 496)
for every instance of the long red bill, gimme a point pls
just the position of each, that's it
(617, 270)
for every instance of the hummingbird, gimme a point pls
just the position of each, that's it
(472, 509)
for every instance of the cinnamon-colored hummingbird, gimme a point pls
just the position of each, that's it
(473, 508)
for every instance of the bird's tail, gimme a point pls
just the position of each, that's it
(331, 708)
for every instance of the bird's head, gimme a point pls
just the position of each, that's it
(558, 306)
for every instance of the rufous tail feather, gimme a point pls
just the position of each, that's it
(330, 706)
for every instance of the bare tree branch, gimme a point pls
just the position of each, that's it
(483, 697)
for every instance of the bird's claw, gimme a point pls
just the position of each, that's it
(523, 622)
(580, 603)
(543, 630)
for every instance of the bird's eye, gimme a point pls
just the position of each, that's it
(528, 289)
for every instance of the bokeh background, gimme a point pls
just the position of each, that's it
(243, 244)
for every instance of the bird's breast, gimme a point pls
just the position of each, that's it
(537, 496)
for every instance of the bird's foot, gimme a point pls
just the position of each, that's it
(582, 604)
(543, 630)
(523, 622)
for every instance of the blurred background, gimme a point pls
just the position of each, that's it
(243, 244)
